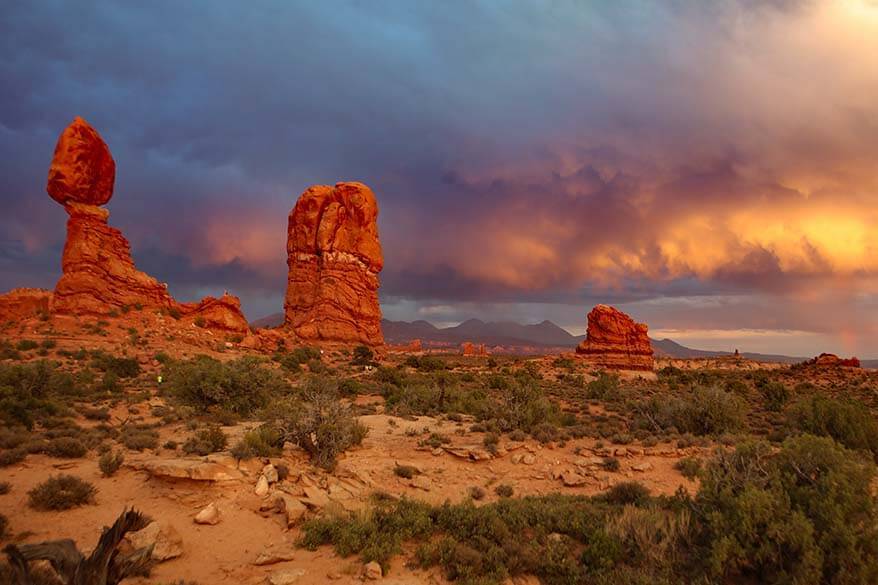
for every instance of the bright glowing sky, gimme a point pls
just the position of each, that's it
(709, 167)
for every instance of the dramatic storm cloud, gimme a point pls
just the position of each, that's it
(708, 166)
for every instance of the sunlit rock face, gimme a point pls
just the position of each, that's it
(334, 257)
(22, 303)
(614, 341)
(83, 170)
(98, 274)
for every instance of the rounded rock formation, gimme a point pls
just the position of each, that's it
(83, 170)
(334, 258)
(614, 341)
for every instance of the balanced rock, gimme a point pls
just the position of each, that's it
(98, 273)
(614, 341)
(334, 258)
(83, 170)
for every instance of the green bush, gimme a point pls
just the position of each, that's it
(239, 386)
(32, 392)
(119, 366)
(110, 462)
(318, 423)
(27, 345)
(604, 387)
(61, 492)
(206, 441)
(775, 394)
(802, 515)
(363, 356)
(689, 467)
(627, 493)
(263, 441)
(707, 411)
(848, 422)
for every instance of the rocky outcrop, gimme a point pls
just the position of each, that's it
(23, 303)
(614, 341)
(98, 274)
(830, 360)
(334, 258)
(469, 348)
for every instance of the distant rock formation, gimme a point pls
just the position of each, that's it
(98, 274)
(334, 258)
(22, 303)
(469, 348)
(830, 360)
(614, 341)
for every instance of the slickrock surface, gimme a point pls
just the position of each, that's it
(334, 258)
(614, 341)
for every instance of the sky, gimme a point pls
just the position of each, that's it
(709, 167)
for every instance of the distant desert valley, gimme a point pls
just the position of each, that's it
(146, 440)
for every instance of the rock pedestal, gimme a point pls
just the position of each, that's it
(334, 258)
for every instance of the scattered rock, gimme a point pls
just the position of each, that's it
(315, 497)
(164, 538)
(529, 459)
(422, 482)
(573, 479)
(187, 469)
(641, 467)
(372, 571)
(272, 556)
(270, 473)
(210, 514)
(262, 488)
(287, 577)
(292, 508)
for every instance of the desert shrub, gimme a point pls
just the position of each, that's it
(476, 492)
(604, 387)
(12, 456)
(139, 437)
(651, 535)
(504, 490)
(627, 493)
(471, 544)
(802, 515)
(363, 356)
(405, 471)
(848, 422)
(30, 392)
(263, 441)
(101, 414)
(206, 441)
(239, 386)
(350, 387)
(61, 492)
(120, 366)
(775, 394)
(318, 423)
(425, 363)
(689, 467)
(26, 345)
(110, 462)
(707, 411)
(610, 464)
(66, 447)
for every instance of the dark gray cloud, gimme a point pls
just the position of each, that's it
(521, 153)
